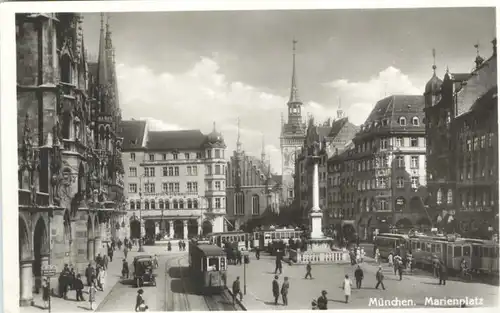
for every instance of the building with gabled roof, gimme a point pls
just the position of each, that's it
(175, 181)
(333, 135)
(462, 150)
(253, 191)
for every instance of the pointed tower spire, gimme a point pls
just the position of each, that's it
(263, 153)
(434, 61)
(102, 69)
(238, 142)
(294, 92)
(340, 113)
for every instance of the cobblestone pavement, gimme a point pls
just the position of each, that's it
(414, 288)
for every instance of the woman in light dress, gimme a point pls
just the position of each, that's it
(377, 256)
(92, 292)
(347, 288)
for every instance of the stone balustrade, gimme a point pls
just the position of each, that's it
(323, 257)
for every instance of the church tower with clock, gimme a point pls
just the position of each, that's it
(293, 133)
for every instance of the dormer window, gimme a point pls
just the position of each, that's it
(415, 121)
(385, 122)
(402, 121)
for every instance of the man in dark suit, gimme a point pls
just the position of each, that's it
(276, 290)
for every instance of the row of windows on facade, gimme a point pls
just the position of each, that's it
(472, 169)
(175, 187)
(239, 204)
(191, 170)
(484, 197)
(415, 121)
(218, 154)
(321, 175)
(379, 163)
(368, 206)
(167, 171)
(343, 213)
(476, 143)
(174, 204)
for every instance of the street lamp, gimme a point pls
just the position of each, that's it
(141, 248)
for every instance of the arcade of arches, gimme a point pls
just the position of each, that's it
(36, 248)
(169, 228)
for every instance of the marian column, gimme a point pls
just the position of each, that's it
(316, 215)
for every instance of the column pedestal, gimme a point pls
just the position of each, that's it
(90, 250)
(171, 229)
(26, 283)
(185, 229)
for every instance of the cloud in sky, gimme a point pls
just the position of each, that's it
(203, 95)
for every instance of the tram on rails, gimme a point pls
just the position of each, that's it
(395, 243)
(208, 266)
(237, 239)
(480, 255)
(271, 240)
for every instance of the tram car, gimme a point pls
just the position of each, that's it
(208, 266)
(448, 250)
(241, 239)
(272, 240)
(395, 243)
(484, 257)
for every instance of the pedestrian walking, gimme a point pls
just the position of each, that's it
(362, 255)
(155, 261)
(105, 262)
(322, 302)
(390, 259)
(400, 270)
(102, 278)
(358, 255)
(443, 275)
(140, 304)
(125, 270)
(380, 278)
(276, 290)
(125, 251)
(279, 266)
(78, 285)
(409, 261)
(377, 256)
(92, 292)
(98, 259)
(119, 243)
(257, 253)
(358, 275)
(89, 274)
(110, 253)
(284, 290)
(45, 293)
(347, 288)
(352, 255)
(169, 246)
(237, 290)
(308, 270)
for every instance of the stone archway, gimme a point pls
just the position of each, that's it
(416, 204)
(25, 270)
(40, 250)
(206, 227)
(150, 229)
(178, 229)
(135, 228)
(404, 223)
(192, 228)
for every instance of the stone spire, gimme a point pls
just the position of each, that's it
(102, 61)
(263, 153)
(238, 142)
(340, 112)
(294, 92)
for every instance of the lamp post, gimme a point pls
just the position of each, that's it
(141, 248)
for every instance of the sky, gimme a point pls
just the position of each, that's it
(187, 70)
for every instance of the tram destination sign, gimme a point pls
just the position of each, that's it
(49, 270)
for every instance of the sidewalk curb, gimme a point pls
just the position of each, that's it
(240, 303)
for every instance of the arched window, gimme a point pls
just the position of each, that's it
(176, 204)
(415, 121)
(146, 205)
(239, 204)
(153, 204)
(189, 204)
(181, 204)
(449, 197)
(195, 204)
(160, 204)
(167, 205)
(402, 121)
(439, 196)
(132, 205)
(255, 205)
(138, 205)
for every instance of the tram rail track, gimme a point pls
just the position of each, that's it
(176, 297)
